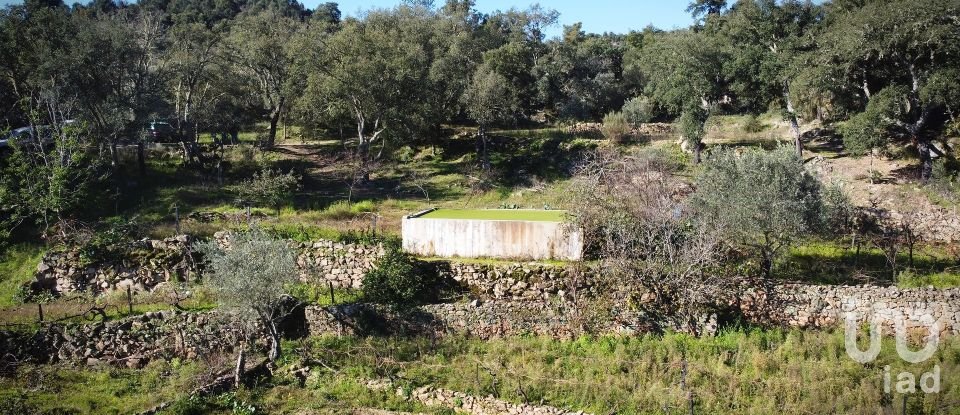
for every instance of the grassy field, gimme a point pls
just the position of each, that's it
(738, 372)
(498, 214)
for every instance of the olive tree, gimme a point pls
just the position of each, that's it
(638, 110)
(250, 279)
(769, 195)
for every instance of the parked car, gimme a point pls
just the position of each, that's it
(161, 132)
(24, 135)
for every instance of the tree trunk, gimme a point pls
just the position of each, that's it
(484, 153)
(239, 369)
(141, 159)
(114, 155)
(274, 353)
(767, 266)
(794, 124)
(697, 150)
(274, 120)
(795, 128)
(926, 159)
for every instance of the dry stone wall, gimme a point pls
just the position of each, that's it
(515, 298)
(485, 320)
(132, 341)
(145, 264)
(819, 306)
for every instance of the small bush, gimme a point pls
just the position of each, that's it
(943, 180)
(752, 124)
(615, 127)
(268, 188)
(638, 111)
(400, 281)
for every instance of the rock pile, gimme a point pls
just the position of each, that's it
(465, 403)
(593, 129)
(480, 405)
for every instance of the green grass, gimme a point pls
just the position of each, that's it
(739, 371)
(66, 390)
(498, 214)
(833, 262)
(71, 308)
(17, 266)
(908, 279)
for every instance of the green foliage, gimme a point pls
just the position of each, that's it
(400, 280)
(764, 200)
(343, 209)
(269, 188)
(251, 279)
(752, 124)
(638, 110)
(870, 129)
(615, 127)
(45, 184)
(691, 126)
(944, 180)
(641, 374)
(252, 274)
(17, 265)
(681, 69)
(489, 100)
(109, 241)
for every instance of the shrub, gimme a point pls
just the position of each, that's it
(638, 111)
(762, 199)
(615, 127)
(268, 188)
(400, 281)
(752, 124)
(943, 180)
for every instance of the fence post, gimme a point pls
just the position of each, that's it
(176, 217)
(40, 311)
(332, 299)
(130, 300)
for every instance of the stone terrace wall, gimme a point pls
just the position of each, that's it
(342, 264)
(817, 306)
(146, 264)
(132, 341)
(534, 296)
(150, 262)
(483, 320)
(510, 281)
